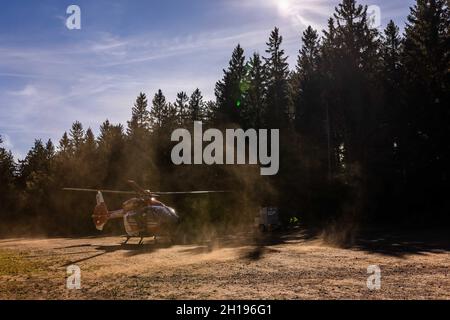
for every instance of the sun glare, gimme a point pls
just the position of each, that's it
(284, 6)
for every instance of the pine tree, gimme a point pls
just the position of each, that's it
(170, 117)
(255, 95)
(8, 181)
(49, 149)
(90, 148)
(64, 145)
(310, 155)
(391, 54)
(228, 90)
(34, 166)
(87, 161)
(110, 133)
(426, 62)
(210, 112)
(426, 57)
(181, 105)
(357, 40)
(35, 159)
(138, 137)
(76, 136)
(140, 119)
(328, 49)
(7, 167)
(393, 112)
(278, 101)
(111, 142)
(309, 112)
(89, 139)
(105, 128)
(159, 109)
(195, 107)
(308, 59)
(350, 66)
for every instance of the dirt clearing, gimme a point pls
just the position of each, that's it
(290, 266)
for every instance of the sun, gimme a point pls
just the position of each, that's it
(284, 6)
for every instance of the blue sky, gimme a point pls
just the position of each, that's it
(51, 76)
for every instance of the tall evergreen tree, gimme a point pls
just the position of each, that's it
(140, 118)
(393, 112)
(181, 105)
(228, 90)
(76, 135)
(255, 95)
(350, 66)
(111, 142)
(158, 111)
(426, 62)
(357, 40)
(8, 181)
(351, 63)
(36, 179)
(49, 149)
(391, 54)
(278, 100)
(138, 139)
(35, 161)
(89, 138)
(88, 160)
(309, 111)
(308, 59)
(210, 112)
(64, 145)
(196, 106)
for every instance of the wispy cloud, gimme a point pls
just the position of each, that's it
(28, 91)
(97, 72)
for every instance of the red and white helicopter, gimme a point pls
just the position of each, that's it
(143, 215)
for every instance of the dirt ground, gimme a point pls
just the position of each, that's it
(289, 266)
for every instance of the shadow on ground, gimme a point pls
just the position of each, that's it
(100, 250)
(255, 246)
(400, 244)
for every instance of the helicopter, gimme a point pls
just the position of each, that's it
(143, 215)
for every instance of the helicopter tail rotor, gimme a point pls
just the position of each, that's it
(101, 214)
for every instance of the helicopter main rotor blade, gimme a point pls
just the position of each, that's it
(138, 188)
(141, 191)
(97, 190)
(188, 192)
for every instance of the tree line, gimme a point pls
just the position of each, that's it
(364, 125)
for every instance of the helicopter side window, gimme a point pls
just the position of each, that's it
(152, 213)
(160, 212)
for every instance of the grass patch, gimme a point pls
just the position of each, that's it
(12, 264)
